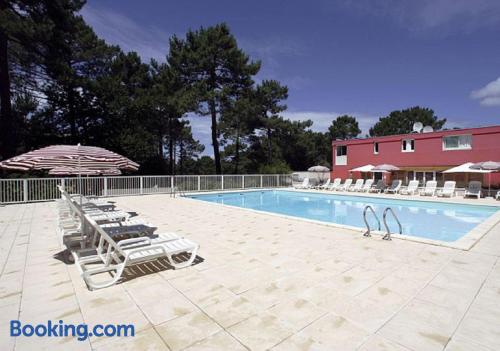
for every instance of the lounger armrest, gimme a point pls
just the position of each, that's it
(144, 240)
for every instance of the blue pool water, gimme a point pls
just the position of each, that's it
(432, 220)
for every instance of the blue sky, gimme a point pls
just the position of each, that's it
(360, 57)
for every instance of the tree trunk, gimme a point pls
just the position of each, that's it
(215, 141)
(237, 153)
(7, 127)
(269, 147)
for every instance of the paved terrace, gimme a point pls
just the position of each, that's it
(262, 282)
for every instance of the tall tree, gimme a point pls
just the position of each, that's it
(344, 127)
(269, 97)
(215, 69)
(401, 121)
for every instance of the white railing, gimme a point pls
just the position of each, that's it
(44, 189)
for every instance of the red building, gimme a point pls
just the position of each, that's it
(421, 156)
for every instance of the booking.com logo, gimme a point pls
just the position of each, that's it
(61, 329)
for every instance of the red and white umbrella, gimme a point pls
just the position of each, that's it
(73, 156)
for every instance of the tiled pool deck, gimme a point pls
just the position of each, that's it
(261, 282)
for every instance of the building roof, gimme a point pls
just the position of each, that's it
(435, 134)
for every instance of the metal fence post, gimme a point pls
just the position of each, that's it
(261, 180)
(141, 185)
(105, 190)
(63, 184)
(222, 181)
(172, 183)
(199, 183)
(243, 181)
(277, 180)
(25, 190)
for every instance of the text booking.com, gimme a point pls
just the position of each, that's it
(61, 330)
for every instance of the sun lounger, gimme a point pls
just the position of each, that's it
(305, 184)
(497, 196)
(430, 188)
(323, 186)
(474, 189)
(335, 184)
(379, 187)
(448, 189)
(346, 185)
(411, 189)
(113, 257)
(357, 186)
(394, 188)
(367, 186)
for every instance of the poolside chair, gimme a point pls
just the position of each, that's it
(357, 186)
(379, 187)
(305, 184)
(113, 257)
(448, 189)
(323, 186)
(335, 184)
(93, 202)
(346, 185)
(473, 189)
(497, 196)
(394, 188)
(367, 186)
(411, 189)
(430, 188)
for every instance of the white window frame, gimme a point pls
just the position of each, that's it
(342, 159)
(375, 148)
(458, 147)
(405, 142)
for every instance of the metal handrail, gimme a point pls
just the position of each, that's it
(367, 233)
(387, 236)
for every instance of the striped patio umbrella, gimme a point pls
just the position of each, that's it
(73, 156)
(71, 160)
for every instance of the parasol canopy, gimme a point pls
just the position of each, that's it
(318, 169)
(465, 168)
(486, 166)
(72, 156)
(365, 168)
(385, 168)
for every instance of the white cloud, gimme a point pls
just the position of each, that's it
(489, 95)
(148, 41)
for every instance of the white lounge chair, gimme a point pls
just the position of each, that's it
(430, 188)
(335, 184)
(367, 186)
(497, 196)
(394, 188)
(357, 186)
(323, 186)
(474, 189)
(346, 185)
(113, 257)
(305, 184)
(448, 189)
(411, 189)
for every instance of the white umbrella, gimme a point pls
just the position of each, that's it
(487, 166)
(319, 169)
(385, 168)
(365, 168)
(465, 168)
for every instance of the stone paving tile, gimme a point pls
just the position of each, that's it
(257, 286)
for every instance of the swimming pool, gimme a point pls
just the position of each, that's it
(425, 219)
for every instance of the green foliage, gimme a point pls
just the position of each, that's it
(401, 122)
(344, 127)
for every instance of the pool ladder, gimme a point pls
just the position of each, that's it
(387, 235)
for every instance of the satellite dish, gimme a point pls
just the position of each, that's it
(428, 129)
(417, 127)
